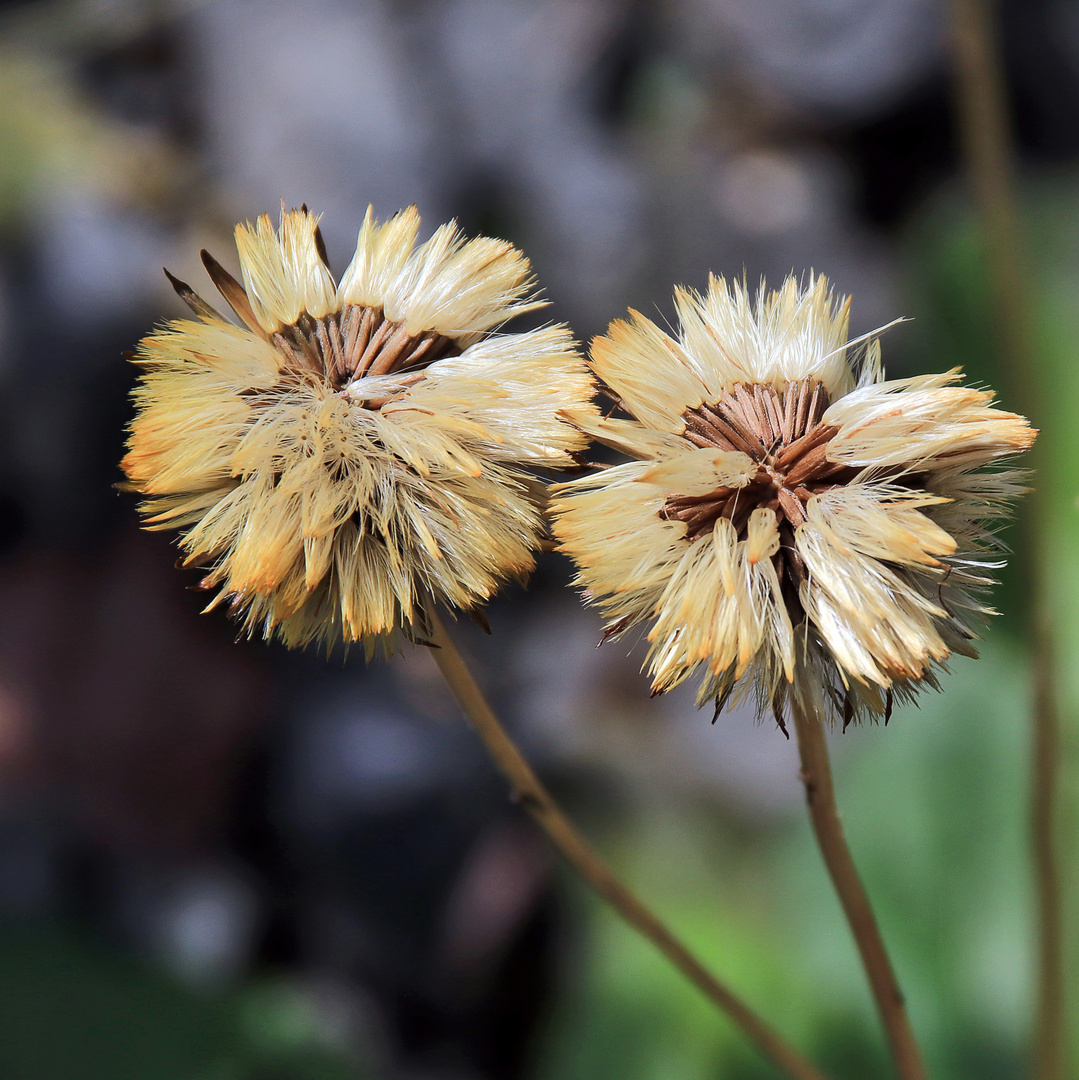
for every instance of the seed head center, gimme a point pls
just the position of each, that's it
(357, 342)
(782, 431)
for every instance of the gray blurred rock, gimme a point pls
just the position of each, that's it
(844, 58)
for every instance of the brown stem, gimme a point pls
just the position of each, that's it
(824, 813)
(1050, 1034)
(534, 797)
(987, 143)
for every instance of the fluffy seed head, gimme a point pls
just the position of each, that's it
(789, 521)
(354, 448)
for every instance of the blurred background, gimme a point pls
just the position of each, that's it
(221, 861)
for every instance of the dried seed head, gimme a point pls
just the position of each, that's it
(353, 448)
(791, 522)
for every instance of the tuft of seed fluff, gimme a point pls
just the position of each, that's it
(790, 524)
(352, 449)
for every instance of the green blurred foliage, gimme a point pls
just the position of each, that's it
(72, 1008)
(947, 261)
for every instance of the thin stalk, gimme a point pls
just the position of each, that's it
(530, 793)
(1050, 1032)
(987, 144)
(824, 813)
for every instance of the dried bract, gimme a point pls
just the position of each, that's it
(791, 522)
(353, 448)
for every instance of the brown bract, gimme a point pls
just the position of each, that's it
(783, 434)
(342, 346)
(358, 342)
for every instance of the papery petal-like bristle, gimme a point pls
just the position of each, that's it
(450, 285)
(701, 471)
(382, 250)
(787, 335)
(283, 271)
(649, 371)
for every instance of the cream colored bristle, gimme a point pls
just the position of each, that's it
(791, 523)
(373, 447)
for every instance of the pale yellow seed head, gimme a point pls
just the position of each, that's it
(353, 450)
(788, 522)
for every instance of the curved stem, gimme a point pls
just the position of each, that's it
(534, 797)
(820, 795)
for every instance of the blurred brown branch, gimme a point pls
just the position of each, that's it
(987, 144)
